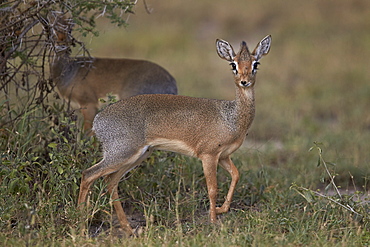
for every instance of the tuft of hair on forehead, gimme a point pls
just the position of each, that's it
(244, 52)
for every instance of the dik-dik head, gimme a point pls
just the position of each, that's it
(60, 30)
(244, 64)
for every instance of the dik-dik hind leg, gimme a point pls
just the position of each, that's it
(88, 112)
(90, 175)
(87, 179)
(229, 166)
(113, 191)
(210, 173)
(110, 165)
(113, 180)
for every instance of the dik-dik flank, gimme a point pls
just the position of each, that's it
(84, 80)
(208, 129)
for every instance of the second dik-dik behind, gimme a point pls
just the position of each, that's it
(84, 80)
(208, 129)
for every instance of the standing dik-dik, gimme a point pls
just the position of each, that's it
(208, 129)
(84, 80)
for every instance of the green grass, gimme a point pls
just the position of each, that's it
(312, 87)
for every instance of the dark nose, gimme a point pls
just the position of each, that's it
(244, 83)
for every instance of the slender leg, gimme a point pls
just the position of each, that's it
(89, 111)
(88, 177)
(229, 166)
(103, 168)
(210, 173)
(113, 190)
(113, 180)
(110, 165)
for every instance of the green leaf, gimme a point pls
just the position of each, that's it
(60, 170)
(52, 145)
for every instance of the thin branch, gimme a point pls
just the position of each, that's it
(331, 177)
(347, 207)
(149, 11)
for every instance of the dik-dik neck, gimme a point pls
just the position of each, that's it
(60, 62)
(63, 69)
(245, 106)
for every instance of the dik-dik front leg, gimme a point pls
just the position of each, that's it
(210, 173)
(229, 166)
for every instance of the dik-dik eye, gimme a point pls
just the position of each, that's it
(255, 67)
(234, 68)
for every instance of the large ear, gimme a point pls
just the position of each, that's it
(225, 50)
(262, 48)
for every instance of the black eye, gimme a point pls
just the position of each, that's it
(233, 67)
(255, 67)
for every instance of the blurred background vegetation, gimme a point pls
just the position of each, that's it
(312, 87)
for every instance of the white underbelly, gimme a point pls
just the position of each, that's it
(176, 146)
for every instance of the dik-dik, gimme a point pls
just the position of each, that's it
(208, 129)
(84, 80)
